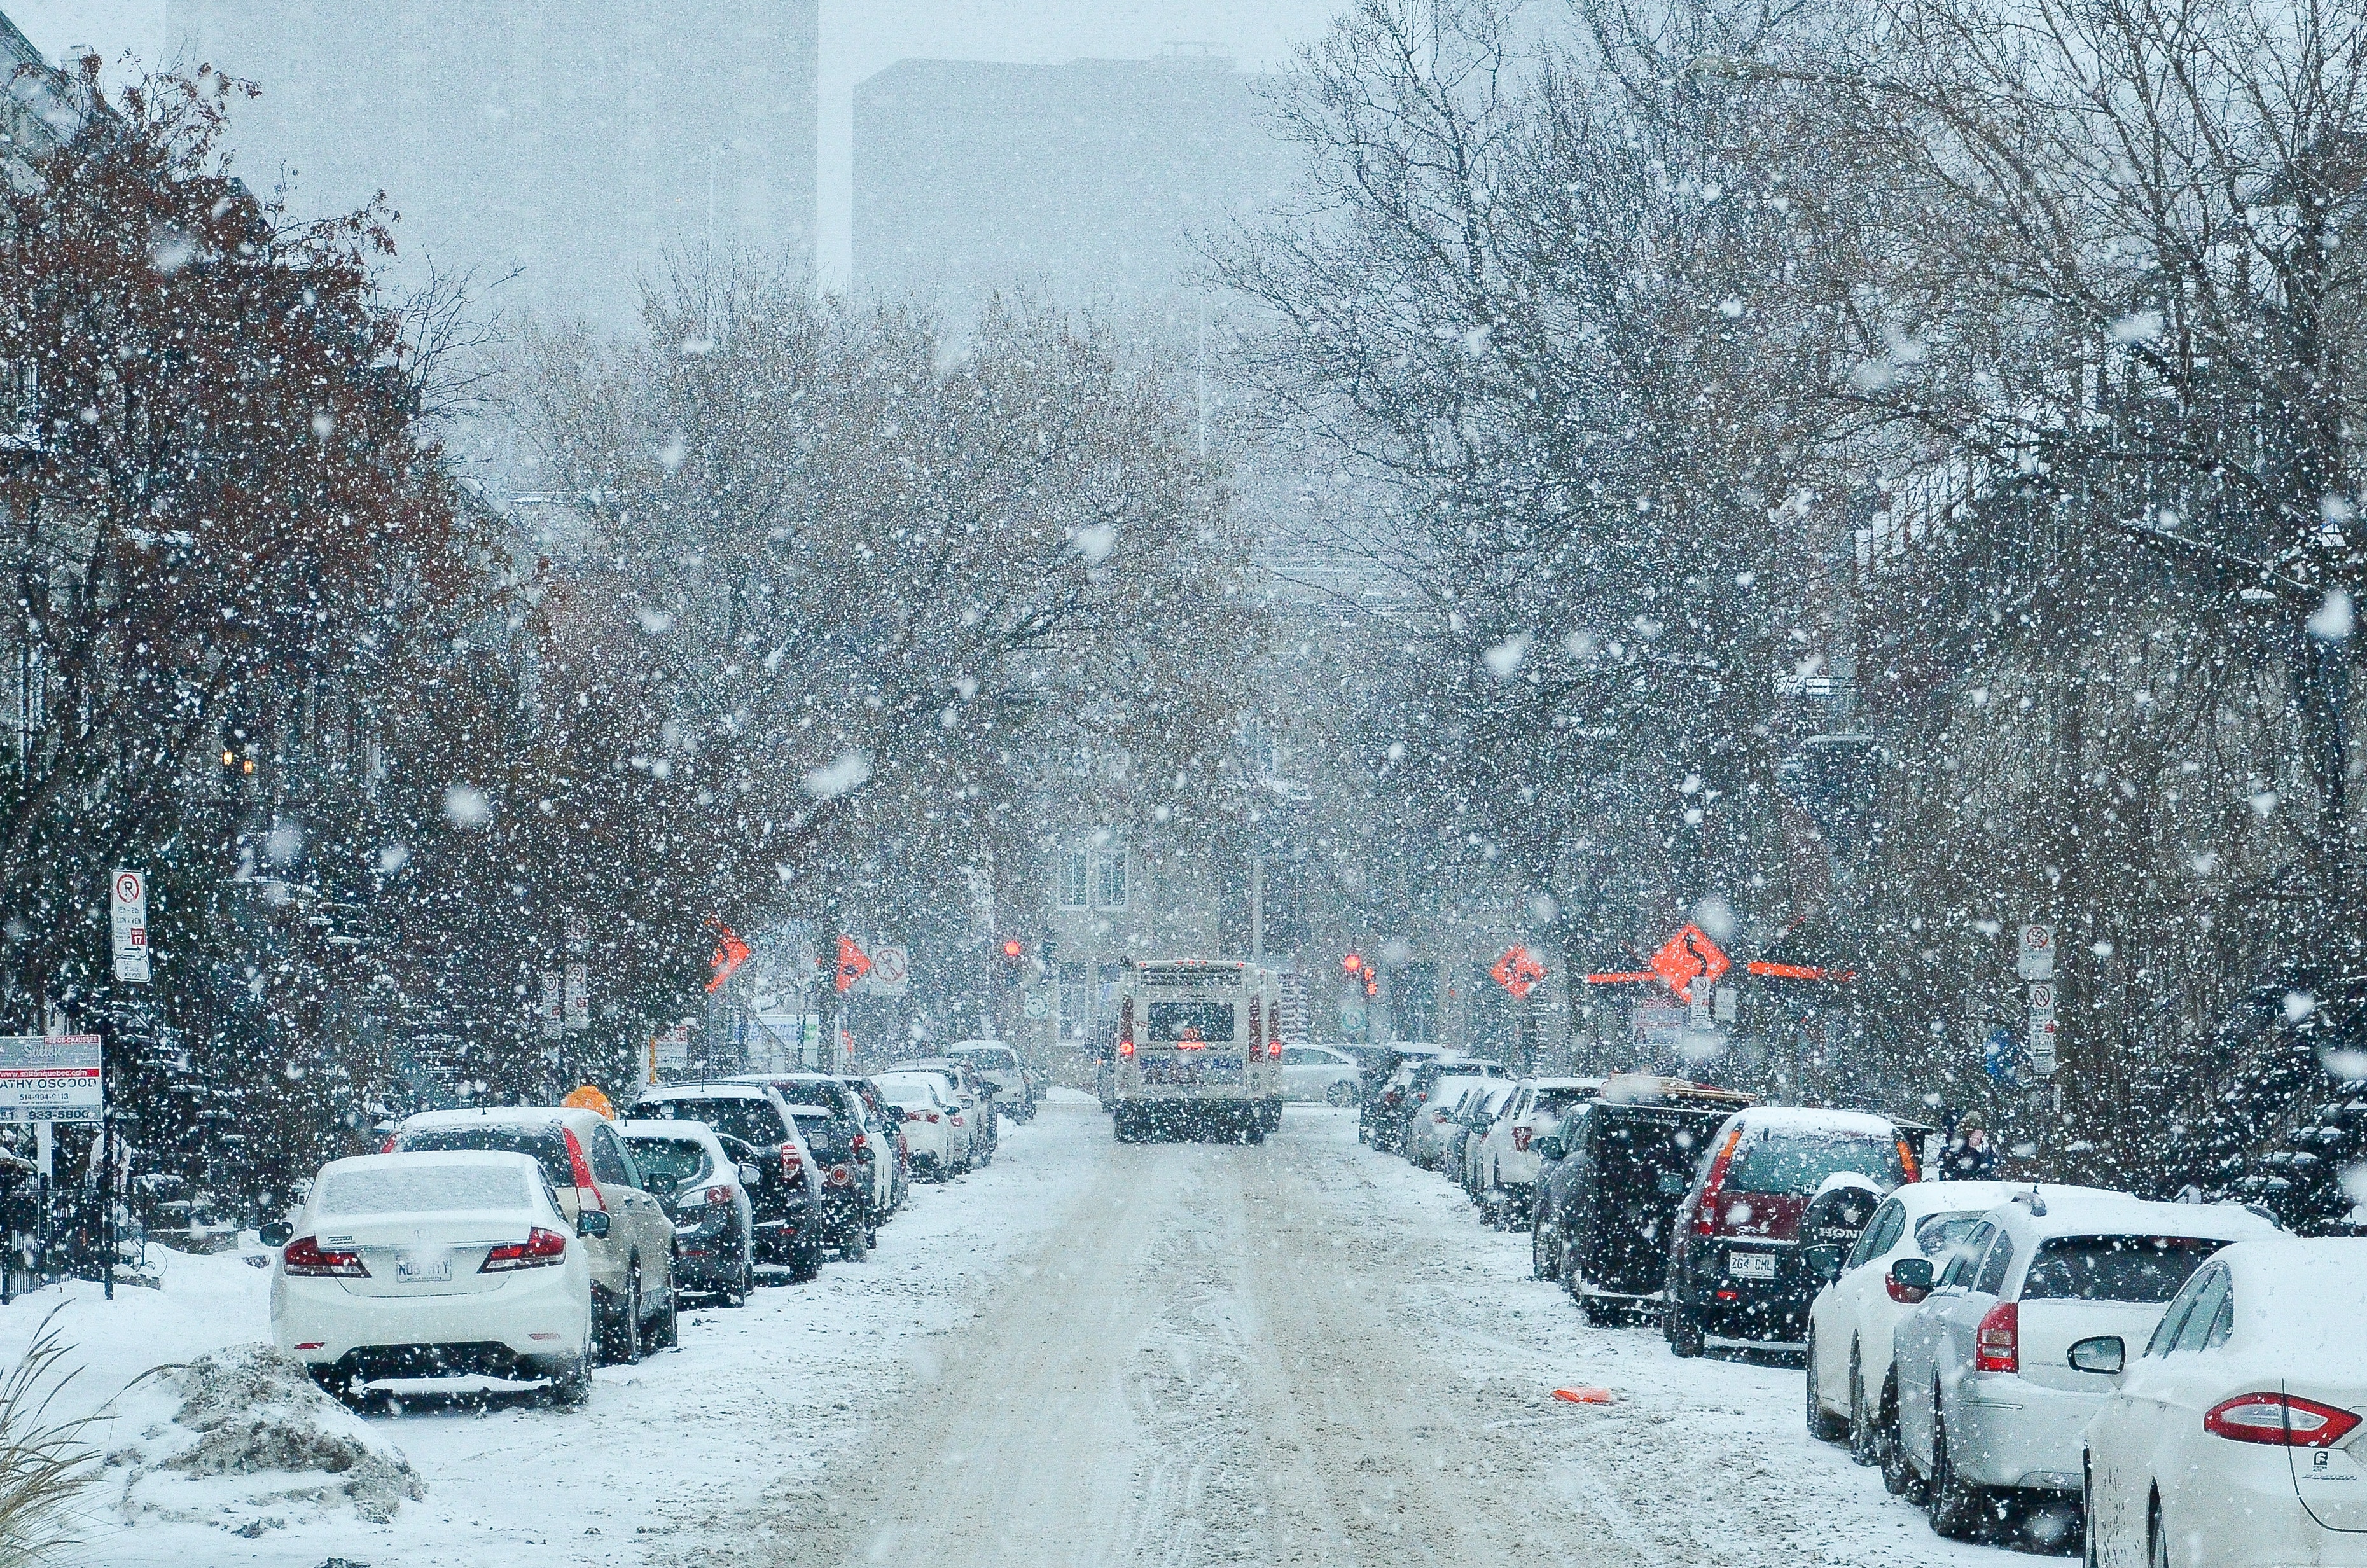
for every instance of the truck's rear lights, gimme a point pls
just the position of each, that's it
(540, 1249)
(790, 1165)
(304, 1256)
(1520, 1139)
(718, 1196)
(1997, 1344)
(2283, 1420)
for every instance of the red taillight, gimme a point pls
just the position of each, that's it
(861, 1142)
(840, 1176)
(587, 1191)
(718, 1197)
(790, 1165)
(1997, 1344)
(957, 1120)
(1519, 1138)
(1706, 1215)
(2283, 1420)
(1907, 1160)
(392, 1140)
(540, 1249)
(303, 1255)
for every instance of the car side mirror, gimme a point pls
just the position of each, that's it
(2105, 1355)
(592, 1223)
(751, 1175)
(278, 1233)
(1549, 1147)
(1910, 1279)
(1825, 1263)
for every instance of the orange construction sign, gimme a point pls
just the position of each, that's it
(853, 963)
(731, 952)
(1690, 958)
(1517, 973)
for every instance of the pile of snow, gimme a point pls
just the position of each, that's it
(248, 1413)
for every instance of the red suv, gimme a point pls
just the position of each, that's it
(1736, 1271)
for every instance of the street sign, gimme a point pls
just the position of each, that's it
(2034, 959)
(2041, 998)
(2042, 1047)
(128, 919)
(670, 1048)
(553, 1016)
(854, 963)
(1517, 973)
(1688, 957)
(1037, 1006)
(51, 1078)
(579, 997)
(731, 952)
(1726, 1005)
(891, 970)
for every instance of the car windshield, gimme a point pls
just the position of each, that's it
(423, 1189)
(752, 1119)
(990, 1058)
(547, 1146)
(1786, 1160)
(668, 1163)
(2144, 1270)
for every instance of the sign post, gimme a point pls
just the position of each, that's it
(127, 920)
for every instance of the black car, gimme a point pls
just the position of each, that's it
(787, 1200)
(847, 1218)
(714, 1220)
(1614, 1173)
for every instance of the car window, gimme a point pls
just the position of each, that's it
(2142, 1269)
(667, 1164)
(607, 1157)
(1991, 1280)
(1941, 1235)
(2201, 1310)
(1294, 1057)
(2223, 1323)
(752, 1120)
(545, 1143)
(2173, 1317)
(1888, 1221)
(1786, 1160)
(422, 1188)
(1961, 1261)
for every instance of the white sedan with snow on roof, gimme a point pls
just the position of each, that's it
(436, 1265)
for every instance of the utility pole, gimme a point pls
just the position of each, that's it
(1257, 907)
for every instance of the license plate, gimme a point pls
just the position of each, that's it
(1750, 1264)
(420, 1268)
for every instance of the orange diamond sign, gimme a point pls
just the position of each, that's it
(1517, 973)
(1689, 959)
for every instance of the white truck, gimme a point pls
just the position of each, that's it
(1199, 1050)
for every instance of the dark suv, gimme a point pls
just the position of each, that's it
(1735, 1267)
(787, 1203)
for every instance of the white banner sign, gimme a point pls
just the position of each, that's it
(128, 919)
(51, 1078)
(891, 970)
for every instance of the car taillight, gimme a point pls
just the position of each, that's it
(1706, 1215)
(303, 1255)
(1997, 1344)
(540, 1249)
(392, 1140)
(957, 1120)
(2284, 1420)
(790, 1165)
(718, 1196)
(840, 1176)
(861, 1142)
(1519, 1138)
(587, 1191)
(1907, 1160)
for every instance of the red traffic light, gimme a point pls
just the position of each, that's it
(1014, 948)
(1351, 963)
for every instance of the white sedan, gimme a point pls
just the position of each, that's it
(437, 1264)
(1319, 1073)
(2238, 1436)
(935, 1129)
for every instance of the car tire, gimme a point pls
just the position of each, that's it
(668, 1334)
(854, 1242)
(1539, 1268)
(1952, 1505)
(1862, 1435)
(1823, 1426)
(573, 1386)
(1683, 1326)
(736, 1294)
(2156, 1537)
(804, 1262)
(624, 1320)
(1898, 1476)
(1600, 1314)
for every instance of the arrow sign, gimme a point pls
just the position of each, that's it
(731, 952)
(852, 965)
(1687, 957)
(1517, 973)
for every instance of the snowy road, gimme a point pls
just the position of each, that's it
(1305, 1353)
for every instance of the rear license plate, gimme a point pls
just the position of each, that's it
(422, 1268)
(1750, 1264)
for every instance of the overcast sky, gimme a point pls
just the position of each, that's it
(858, 38)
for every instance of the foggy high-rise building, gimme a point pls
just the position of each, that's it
(577, 145)
(1085, 183)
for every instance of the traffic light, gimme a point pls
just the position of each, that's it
(1351, 963)
(1013, 952)
(1359, 970)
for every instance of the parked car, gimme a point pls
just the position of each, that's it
(1425, 1134)
(932, 1121)
(632, 1260)
(1387, 1073)
(1318, 1075)
(873, 1153)
(1990, 1402)
(1413, 1087)
(1508, 1163)
(450, 1264)
(846, 1165)
(887, 1123)
(788, 1201)
(1613, 1175)
(1735, 1271)
(1479, 1113)
(1015, 1090)
(2231, 1433)
(704, 1192)
(1851, 1375)
(977, 1097)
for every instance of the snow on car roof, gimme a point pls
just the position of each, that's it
(1565, 1083)
(2082, 1211)
(1808, 1118)
(1922, 1198)
(703, 1092)
(673, 1131)
(811, 1111)
(512, 1115)
(412, 1159)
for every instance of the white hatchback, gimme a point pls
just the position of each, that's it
(935, 1128)
(402, 1267)
(2239, 1437)
(1319, 1074)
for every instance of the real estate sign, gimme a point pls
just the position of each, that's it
(51, 1078)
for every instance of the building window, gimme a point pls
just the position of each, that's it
(1109, 879)
(1076, 886)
